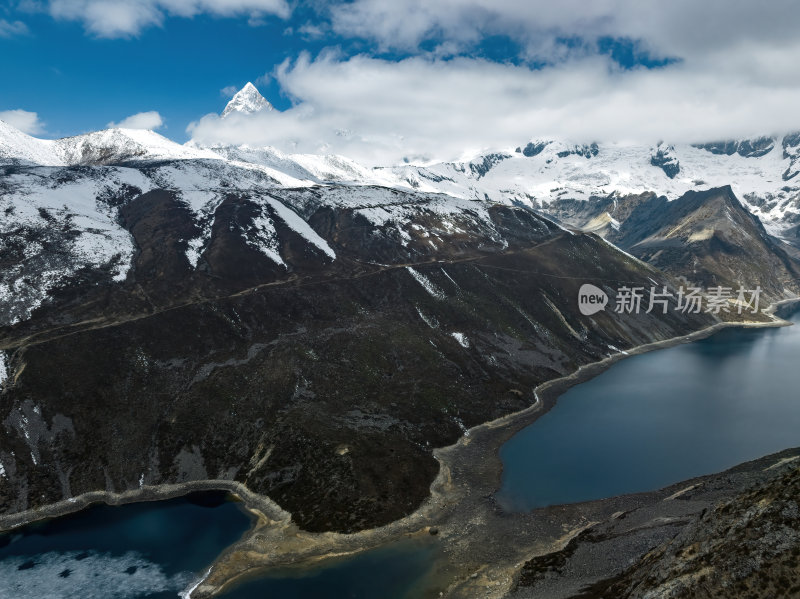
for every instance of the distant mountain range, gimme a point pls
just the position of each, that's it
(545, 174)
(591, 187)
(542, 174)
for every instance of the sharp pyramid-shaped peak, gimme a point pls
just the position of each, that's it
(247, 100)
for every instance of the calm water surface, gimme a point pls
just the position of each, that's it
(391, 572)
(156, 550)
(659, 418)
(149, 550)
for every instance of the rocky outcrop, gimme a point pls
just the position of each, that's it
(746, 547)
(746, 148)
(663, 158)
(533, 148)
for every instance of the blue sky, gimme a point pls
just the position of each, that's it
(373, 72)
(77, 81)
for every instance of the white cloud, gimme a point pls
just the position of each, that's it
(686, 28)
(124, 18)
(25, 121)
(12, 28)
(311, 31)
(735, 76)
(229, 91)
(436, 109)
(142, 120)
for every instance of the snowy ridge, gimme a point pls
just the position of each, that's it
(16, 146)
(545, 171)
(536, 175)
(123, 145)
(98, 148)
(301, 170)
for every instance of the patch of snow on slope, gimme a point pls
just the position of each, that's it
(298, 225)
(55, 222)
(431, 322)
(444, 272)
(378, 215)
(205, 175)
(3, 370)
(203, 204)
(263, 237)
(461, 338)
(426, 284)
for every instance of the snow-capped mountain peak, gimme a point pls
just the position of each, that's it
(247, 100)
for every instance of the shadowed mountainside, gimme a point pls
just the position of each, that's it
(318, 366)
(705, 238)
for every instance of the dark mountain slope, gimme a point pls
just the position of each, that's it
(324, 383)
(705, 238)
(710, 239)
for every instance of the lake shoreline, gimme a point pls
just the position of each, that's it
(470, 472)
(470, 467)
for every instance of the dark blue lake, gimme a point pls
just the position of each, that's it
(148, 550)
(659, 418)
